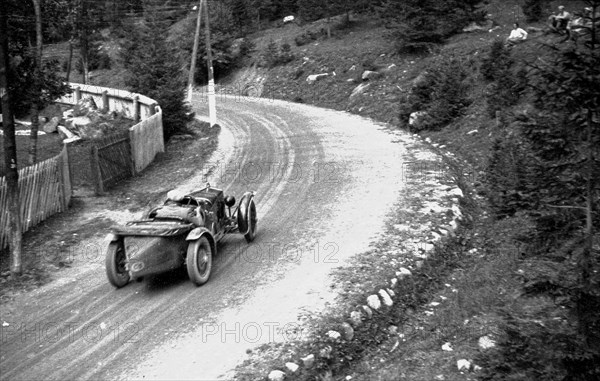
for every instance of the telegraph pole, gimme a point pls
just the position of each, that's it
(194, 54)
(212, 107)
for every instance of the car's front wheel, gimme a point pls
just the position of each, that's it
(115, 260)
(252, 220)
(199, 260)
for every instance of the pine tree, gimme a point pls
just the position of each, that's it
(420, 24)
(152, 71)
(564, 136)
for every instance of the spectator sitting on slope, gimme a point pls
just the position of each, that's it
(517, 35)
(559, 21)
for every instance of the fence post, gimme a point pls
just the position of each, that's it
(132, 142)
(77, 94)
(67, 179)
(96, 174)
(136, 109)
(105, 101)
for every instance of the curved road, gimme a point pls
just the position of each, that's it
(325, 181)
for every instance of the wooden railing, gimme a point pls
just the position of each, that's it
(44, 189)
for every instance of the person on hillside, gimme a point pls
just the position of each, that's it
(517, 35)
(582, 23)
(559, 21)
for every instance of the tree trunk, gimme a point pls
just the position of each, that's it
(10, 152)
(70, 60)
(35, 116)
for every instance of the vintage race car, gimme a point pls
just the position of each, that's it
(183, 231)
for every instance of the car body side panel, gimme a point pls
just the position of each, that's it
(151, 255)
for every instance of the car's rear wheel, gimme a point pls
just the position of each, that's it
(252, 221)
(199, 260)
(115, 261)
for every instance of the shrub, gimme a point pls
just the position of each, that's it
(443, 93)
(507, 175)
(548, 350)
(246, 47)
(273, 55)
(507, 82)
(419, 25)
(305, 38)
(533, 10)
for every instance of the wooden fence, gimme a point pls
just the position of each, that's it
(145, 138)
(146, 141)
(111, 161)
(44, 189)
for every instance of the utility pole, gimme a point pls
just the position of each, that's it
(212, 106)
(194, 54)
(10, 152)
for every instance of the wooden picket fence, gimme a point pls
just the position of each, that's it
(111, 161)
(44, 190)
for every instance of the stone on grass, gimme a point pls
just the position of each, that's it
(374, 302)
(334, 334)
(390, 292)
(356, 318)
(276, 375)
(447, 347)
(485, 342)
(393, 282)
(387, 300)
(308, 361)
(359, 89)
(426, 246)
(348, 331)
(369, 74)
(292, 367)
(368, 311)
(315, 77)
(403, 272)
(463, 365)
(415, 117)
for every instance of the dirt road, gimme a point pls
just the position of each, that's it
(324, 181)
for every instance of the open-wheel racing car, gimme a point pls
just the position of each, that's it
(185, 230)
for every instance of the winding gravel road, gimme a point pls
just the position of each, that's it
(324, 180)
